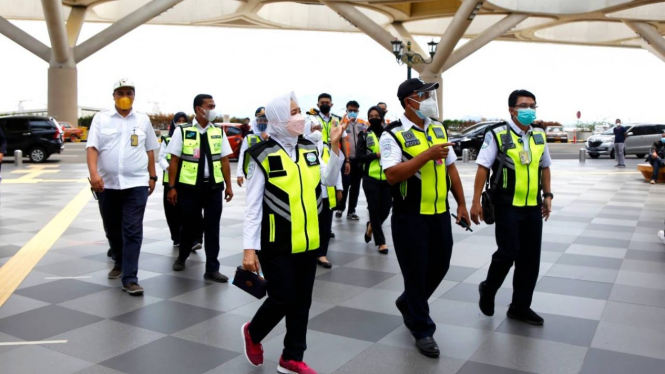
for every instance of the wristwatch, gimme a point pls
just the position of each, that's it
(168, 187)
(154, 178)
(548, 194)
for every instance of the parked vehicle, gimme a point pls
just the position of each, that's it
(71, 133)
(37, 137)
(640, 138)
(234, 134)
(470, 138)
(556, 134)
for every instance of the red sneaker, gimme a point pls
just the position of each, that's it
(294, 367)
(253, 352)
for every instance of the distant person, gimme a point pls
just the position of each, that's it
(384, 107)
(172, 212)
(656, 158)
(257, 135)
(619, 146)
(198, 172)
(352, 180)
(245, 127)
(121, 162)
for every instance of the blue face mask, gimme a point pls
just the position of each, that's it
(262, 127)
(526, 116)
(352, 115)
(662, 140)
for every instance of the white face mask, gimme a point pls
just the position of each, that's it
(210, 115)
(315, 136)
(429, 108)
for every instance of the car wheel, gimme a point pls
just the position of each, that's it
(612, 154)
(37, 155)
(73, 138)
(473, 154)
(594, 155)
(641, 155)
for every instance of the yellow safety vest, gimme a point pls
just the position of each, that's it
(426, 192)
(189, 165)
(166, 140)
(373, 168)
(253, 139)
(292, 196)
(519, 184)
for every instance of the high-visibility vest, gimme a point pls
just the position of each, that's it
(373, 168)
(519, 184)
(426, 192)
(252, 140)
(188, 171)
(292, 196)
(165, 178)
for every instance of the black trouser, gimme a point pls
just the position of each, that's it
(122, 214)
(325, 225)
(191, 202)
(379, 202)
(174, 220)
(519, 233)
(656, 163)
(290, 280)
(351, 185)
(423, 244)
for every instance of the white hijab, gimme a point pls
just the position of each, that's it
(278, 112)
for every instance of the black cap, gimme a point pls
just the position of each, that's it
(410, 86)
(260, 111)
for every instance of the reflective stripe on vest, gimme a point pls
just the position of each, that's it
(427, 191)
(189, 165)
(520, 184)
(292, 197)
(374, 169)
(166, 140)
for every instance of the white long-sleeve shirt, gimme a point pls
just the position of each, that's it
(256, 185)
(338, 186)
(241, 158)
(163, 162)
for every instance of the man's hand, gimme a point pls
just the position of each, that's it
(228, 193)
(2, 156)
(151, 187)
(97, 183)
(336, 133)
(347, 168)
(438, 152)
(547, 208)
(241, 180)
(378, 154)
(654, 155)
(476, 213)
(265, 136)
(250, 261)
(172, 196)
(463, 215)
(339, 195)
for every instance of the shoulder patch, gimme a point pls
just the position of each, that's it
(488, 141)
(438, 132)
(538, 139)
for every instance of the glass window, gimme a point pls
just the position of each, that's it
(644, 130)
(41, 125)
(230, 131)
(660, 128)
(17, 125)
(65, 125)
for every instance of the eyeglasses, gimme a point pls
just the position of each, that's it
(525, 106)
(352, 110)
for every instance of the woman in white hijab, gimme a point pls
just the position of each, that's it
(285, 175)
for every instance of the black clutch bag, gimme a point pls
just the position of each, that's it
(250, 282)
(487, 196)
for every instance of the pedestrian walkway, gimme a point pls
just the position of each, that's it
(601, 291)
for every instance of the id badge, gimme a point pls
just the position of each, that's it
(197, 153)
(135, 140)
(525, 158)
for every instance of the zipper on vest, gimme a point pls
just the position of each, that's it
(436, 177)
(304, 210)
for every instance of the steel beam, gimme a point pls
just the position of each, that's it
(453, 34)
(55, 23)
(75, 24)
(25, 40)
(650, 36)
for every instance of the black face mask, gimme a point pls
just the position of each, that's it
(325, 108)
(375, 123)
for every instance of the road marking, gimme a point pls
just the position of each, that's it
(33, 181)
(81, 277)
(34, 171)
(21, 264)
(34, 343)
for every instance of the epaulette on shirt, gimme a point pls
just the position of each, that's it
(312, 112)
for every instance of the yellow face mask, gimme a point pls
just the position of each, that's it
(124, 103)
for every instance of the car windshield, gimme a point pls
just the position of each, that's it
(609, 131)
(554, 129)
(473, 128)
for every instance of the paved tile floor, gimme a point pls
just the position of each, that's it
(601, 291)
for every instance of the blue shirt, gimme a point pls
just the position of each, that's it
(620, 134)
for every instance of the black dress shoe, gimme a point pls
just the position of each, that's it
(109, 253)
(486, 302)
(178, 265)
(216, 277)
(332, 235)
(408, 320)
(428, 347)
(525, 315)
(324, 264)
(368, 238)
(338, 214)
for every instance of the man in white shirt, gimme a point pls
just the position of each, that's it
(121, 162)
(198, 174)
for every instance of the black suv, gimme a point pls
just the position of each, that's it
(470, 138)
(37, 137)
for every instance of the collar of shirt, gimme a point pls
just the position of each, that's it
(115, 112)
(324, 117)
(517, 128)
(407, 124)
(201, 129)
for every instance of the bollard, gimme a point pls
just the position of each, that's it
(18, 157)
(582, 155)
(465, 155)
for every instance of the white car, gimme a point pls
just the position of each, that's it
(639, 139)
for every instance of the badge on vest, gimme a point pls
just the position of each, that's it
(134, 140)
(370, 142)
(538, 139)
(525, 157)
(438, 132)
(410, 139)
(508, 141)
(190, 135)
(311, 159)
(276, 167)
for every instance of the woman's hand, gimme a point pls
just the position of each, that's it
(250, 261)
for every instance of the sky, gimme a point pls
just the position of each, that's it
(245, 68)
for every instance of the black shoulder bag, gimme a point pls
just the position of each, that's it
(488, 194)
